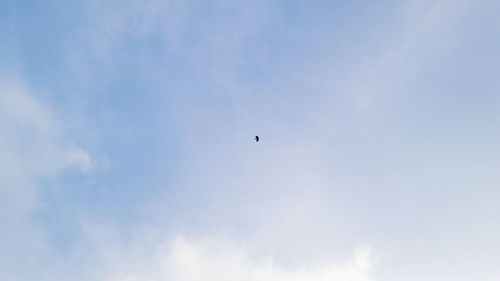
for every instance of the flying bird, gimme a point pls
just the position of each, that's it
(256, 138)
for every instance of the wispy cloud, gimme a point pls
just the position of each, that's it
(33, 148)
(34, 136)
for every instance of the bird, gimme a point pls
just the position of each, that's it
(256, 138)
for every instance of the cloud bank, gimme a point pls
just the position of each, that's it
(207, 259)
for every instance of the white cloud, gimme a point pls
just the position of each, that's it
(33, 147)
(33, 137)
(210, 259)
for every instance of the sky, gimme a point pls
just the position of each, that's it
(127, 151)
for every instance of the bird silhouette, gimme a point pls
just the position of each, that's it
(256, 138)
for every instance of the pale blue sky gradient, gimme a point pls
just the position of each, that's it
(127, 153)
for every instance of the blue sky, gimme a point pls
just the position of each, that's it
(127, 153)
